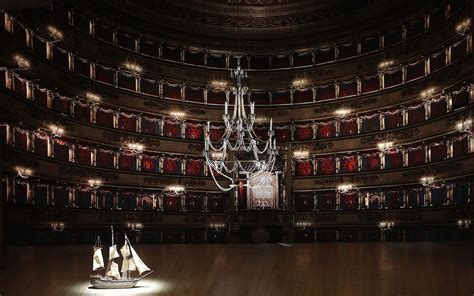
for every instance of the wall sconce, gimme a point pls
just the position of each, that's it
(137, 148)
(427, 181)
(464, 223)
(385, 64)
(57, 226)
(22, 63)
(93, 97)
(342, 112)
(428, 92)
(135, 226)
(55, 33)
(385, 146)
(135, 68)
(178, 114)
(386, 225)
(219, 83)
(303, 224)
(217, 226)
(23, 172)
(464, 125)
(344, 188)
(174, 189)
(56, 131)
(94, 183)
(463, 27)
(301, 154)
(298, 83)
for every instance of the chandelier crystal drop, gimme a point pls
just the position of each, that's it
(240, 156)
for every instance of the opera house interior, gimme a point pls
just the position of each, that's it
(236, 147)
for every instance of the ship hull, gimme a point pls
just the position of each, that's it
(107, 283)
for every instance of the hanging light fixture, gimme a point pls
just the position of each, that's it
(240, 155)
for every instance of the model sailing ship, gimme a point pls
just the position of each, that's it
(112, 279)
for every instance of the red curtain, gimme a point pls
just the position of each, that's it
(303, 96)
(326, 130)
(348, 88)
(349, 201)
(393, 79)
(41, 145)
(326, 166)
(104, 75)
(194, 167)
(281, 97)
(194, 94)
(171, 203)
(215, 97)
(304, 132)
(194, 203)
(416, 115)
(150, 164)
(260, 98)
(82, 112)
(325, 92)
(216, 133)
(282, 134)
(371, 162)
(149, 87)
(127, 122)
(105, 159)
(127, 162)
(304, 168)
(194, 131)
(460, 146)
(348, 127)
(171, 165)
(171, 91)
(326, 201)
(62, 105)
(150, 126)
(41, 97)
(349, 164)
(393, 119)
(416, 70)
(438, 61)
(370, 84)
(104, 118)
(21, 139)
(439, 152)
(393, 160)
(61, 197)
(416, 156)
(304, 202)
(172, 129)
(61, 151)
(83, 155)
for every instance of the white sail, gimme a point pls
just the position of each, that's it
(141, 267)
(113, 253)
(114, 271)
(98, 260)
(127, 263)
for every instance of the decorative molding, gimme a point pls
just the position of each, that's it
(87, 173)
(116, 136)
(439, 169)
(166, 180)
(391, 136)
(357, 179)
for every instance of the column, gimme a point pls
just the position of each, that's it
(2, 222)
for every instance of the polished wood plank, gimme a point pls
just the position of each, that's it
(413, 269)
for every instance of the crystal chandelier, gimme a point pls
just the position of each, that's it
(240, 156)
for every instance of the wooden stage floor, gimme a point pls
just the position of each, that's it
(302, 269)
